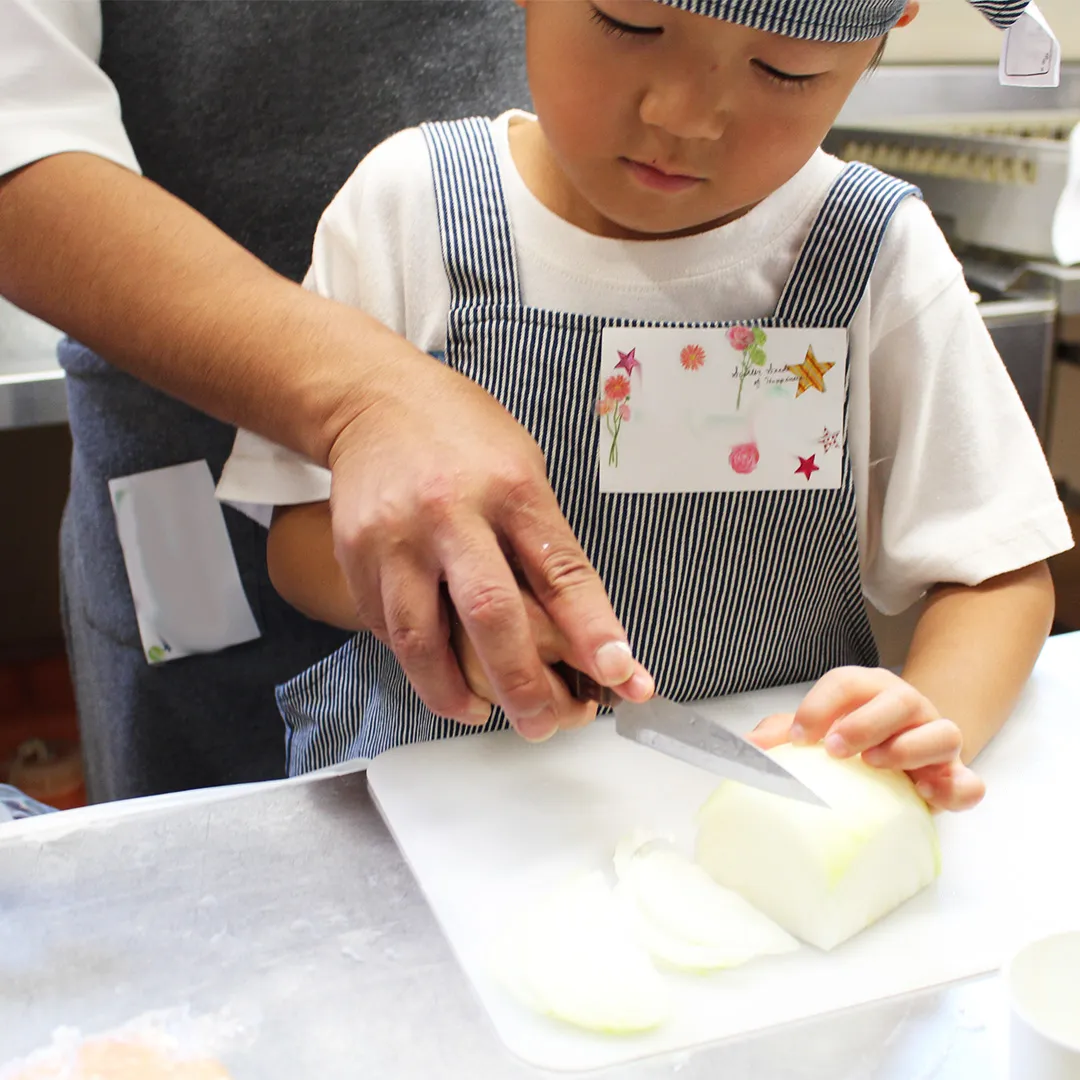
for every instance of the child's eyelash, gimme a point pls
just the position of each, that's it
(781, 78)
(620, 29)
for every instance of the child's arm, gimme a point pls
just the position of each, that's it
(303, 569)
(974, 649)
(972, 652)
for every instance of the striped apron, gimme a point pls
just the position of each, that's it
(714, 588)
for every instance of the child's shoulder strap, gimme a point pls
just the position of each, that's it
(478, 249)
(833, 269)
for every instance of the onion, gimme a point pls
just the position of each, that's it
(572, 957)
(822, 874)
(683, 917)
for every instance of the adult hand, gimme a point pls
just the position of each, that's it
(433, 480)
(873, 712)
(551, 646)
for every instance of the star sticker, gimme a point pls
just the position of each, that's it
(811, 373)
(628, 361)
(830, 440)
(807, 466)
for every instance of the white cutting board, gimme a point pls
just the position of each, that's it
(488, 821)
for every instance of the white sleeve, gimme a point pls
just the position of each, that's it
(53, 96)
(376, 248)
(959, 488)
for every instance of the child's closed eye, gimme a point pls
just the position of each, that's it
(788, 80)
(618, 28)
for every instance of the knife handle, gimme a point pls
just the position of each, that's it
(583, 688)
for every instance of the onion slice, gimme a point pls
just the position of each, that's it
(683, 917)
(572, 957)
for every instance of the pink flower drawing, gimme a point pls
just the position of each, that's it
(748, 340)
(624, 412)
(692, 357)
(744, 458)
(741, 338)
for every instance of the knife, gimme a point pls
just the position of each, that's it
(684, 733)
(678, 731)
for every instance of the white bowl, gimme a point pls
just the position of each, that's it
(1043, 981)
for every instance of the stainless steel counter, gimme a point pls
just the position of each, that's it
(286, 911)
(31, 382)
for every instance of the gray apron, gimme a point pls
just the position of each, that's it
(254, 113)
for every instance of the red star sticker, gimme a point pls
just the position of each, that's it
(807, 466)
(628, 361)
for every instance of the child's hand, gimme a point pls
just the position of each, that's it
(874, 712)
(552, 646)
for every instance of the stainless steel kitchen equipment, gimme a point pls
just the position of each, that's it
(1000, 169)
(1008, 180)
(31, 382)
(1022, 321)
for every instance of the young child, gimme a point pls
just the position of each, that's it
(667, 216)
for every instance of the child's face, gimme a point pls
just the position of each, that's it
(662, 122)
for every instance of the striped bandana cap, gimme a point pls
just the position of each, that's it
(831, 20)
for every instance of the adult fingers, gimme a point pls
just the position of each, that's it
(772, 731)
(416, 629)
(937, 742)
(570, 590)
(489, 603)
(949, 787)
(471, 668)
(553, 646)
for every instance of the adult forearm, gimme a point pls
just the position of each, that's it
(155, 288)
(974, 649)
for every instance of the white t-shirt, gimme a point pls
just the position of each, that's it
(951, 483)
(53, 96)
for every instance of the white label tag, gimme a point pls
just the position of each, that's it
(1031, 55)
(739, 409)
(180, 565)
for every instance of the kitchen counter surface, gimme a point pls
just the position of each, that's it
(283, 915)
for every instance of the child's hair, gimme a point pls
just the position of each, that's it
(875, 62)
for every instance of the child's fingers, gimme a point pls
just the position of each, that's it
(772, 731)
(935, 743)
(949, 787)
(569, 713)
(836, 694)
(550, 643)
(896, 708)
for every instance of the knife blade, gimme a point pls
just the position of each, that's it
(684, 733)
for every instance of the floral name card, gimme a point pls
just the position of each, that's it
(744, 408)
